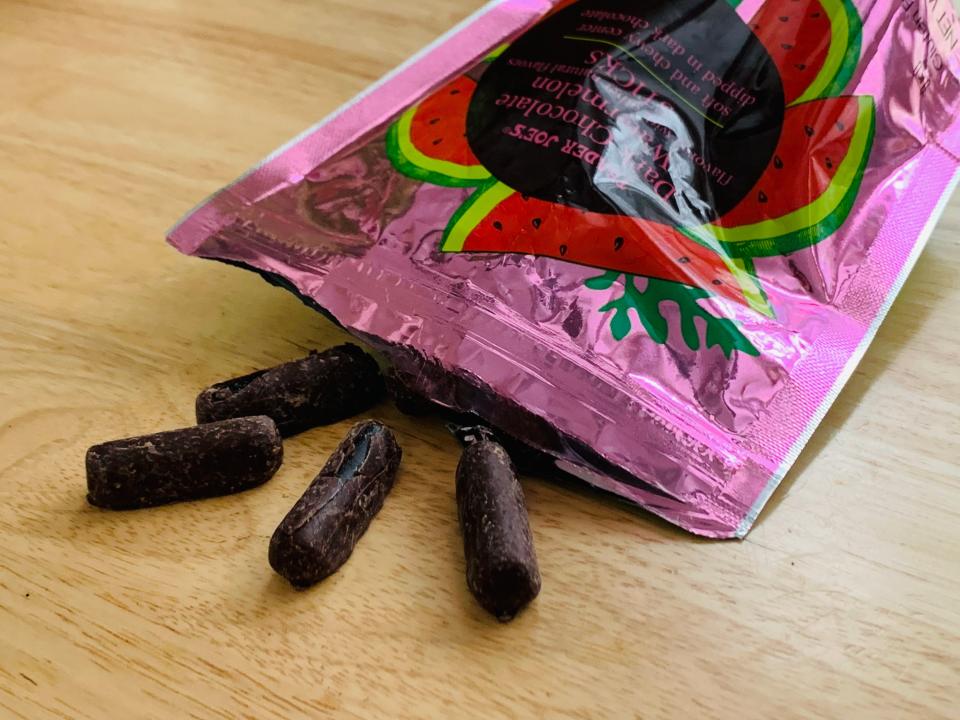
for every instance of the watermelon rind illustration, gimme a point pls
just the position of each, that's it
(814, 43)
(803, 196)
(496, 218)
(427, 141)
(830, 187)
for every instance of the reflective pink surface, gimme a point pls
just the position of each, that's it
(701, 439)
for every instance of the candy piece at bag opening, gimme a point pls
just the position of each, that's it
(321, 388)
(501, 564)
(533, 444)
(465, 404)
(408, 401)
(528, 460)
(319, 533)
(188, 464)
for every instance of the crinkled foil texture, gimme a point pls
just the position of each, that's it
(693, 435)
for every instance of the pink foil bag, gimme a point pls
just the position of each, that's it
(650, 239)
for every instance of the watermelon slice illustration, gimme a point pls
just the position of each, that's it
(612, 151)
(807, 191)
(498, 219)
(814, 43)
(427, 142)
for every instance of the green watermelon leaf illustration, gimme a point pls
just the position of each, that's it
(646, 304)
(602, 282)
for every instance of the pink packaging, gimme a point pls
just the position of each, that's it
(651, 239)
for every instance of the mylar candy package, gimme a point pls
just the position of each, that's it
(651, 239)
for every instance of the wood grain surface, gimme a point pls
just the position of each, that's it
(116, 116)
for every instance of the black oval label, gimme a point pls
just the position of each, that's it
(662, 110)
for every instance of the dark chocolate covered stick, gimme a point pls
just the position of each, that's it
(197, 462)
(502, 571)
(320, 531)
(318, 389)
(526, 459)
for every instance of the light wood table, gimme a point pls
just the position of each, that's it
(116, 116)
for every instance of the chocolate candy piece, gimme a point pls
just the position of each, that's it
(502, 570)
(528, 460)
(320, 531)
(318, 389)
(408, 401)
(196, 462)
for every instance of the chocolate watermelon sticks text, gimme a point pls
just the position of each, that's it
(582, 146)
